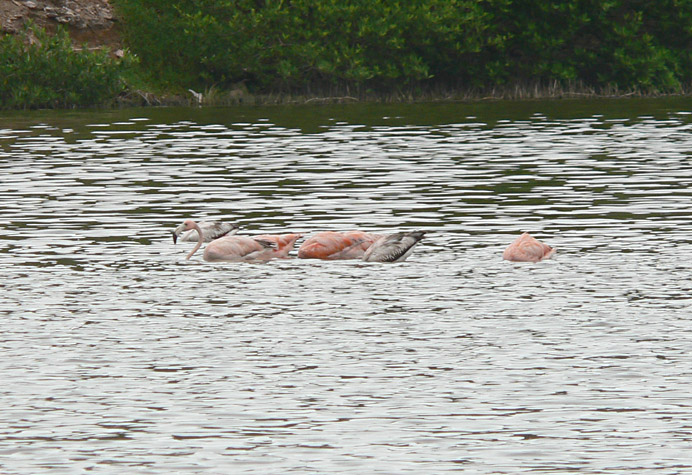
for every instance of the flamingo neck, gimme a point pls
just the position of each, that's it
(199, 242)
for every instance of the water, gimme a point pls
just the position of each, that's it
(119, 356)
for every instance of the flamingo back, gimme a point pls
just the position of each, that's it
(331, 245)
(284, 242)
(210, 230)
(526, 248)
(394, 247)
(239, 248)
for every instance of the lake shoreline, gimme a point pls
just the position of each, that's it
(242, 97)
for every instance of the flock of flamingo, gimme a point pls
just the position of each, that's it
(225, 245)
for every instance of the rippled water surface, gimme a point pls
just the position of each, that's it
(119, 356)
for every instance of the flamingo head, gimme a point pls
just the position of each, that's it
(186, 226)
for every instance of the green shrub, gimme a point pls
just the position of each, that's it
(629, 44)
(38, 70)
(298, 44)
(355, 45)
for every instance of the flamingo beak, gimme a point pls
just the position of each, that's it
(178, 231)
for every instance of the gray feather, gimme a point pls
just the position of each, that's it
(394, 247)
(266, 243)
(210, 229)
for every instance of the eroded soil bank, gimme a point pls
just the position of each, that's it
(88, 21)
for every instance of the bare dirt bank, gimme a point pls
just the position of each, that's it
(88, 21)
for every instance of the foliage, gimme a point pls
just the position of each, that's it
(38, 70)
(354, 45)
(629, 44)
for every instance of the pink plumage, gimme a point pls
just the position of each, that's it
(284, 243)
(527, 249)
(331, 245)
(241, 248)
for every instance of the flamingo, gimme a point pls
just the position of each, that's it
(240, 248)
(331, 245)
(527, 249)
(393, 247)
(211, 229)
(283, 243)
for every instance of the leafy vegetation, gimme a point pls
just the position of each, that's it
(358, 45)
(363, 48)
(38, 70)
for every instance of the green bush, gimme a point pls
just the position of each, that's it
(628, 44)
(299, 44)
(354, 45)
(38, 70)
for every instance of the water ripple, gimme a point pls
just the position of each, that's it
(120, 355)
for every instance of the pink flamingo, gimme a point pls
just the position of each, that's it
(332, 245)
(283, 243)
(241, 248)
(212, 230)
(394, 247)
(527, 249)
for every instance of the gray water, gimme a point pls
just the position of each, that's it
(119, 356)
